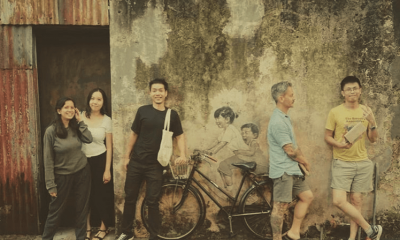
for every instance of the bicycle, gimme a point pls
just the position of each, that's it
(183, 208)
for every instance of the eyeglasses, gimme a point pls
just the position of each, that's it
(355, 89)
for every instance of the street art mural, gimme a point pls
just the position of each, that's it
(221, 59)
(242, 143)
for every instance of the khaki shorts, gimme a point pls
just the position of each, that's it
(288, 186)
(352, 176)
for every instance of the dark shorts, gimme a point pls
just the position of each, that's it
(287, 187)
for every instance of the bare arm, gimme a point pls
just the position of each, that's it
(182, 149)
(369, 116)
(217, 147)
(109, 144)
(372, 134)
(296, 155)
(129, 146)
(331, 141)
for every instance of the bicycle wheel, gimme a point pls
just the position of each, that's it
(257, 200)
(177, 222)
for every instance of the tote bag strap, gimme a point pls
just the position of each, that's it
(167, 120)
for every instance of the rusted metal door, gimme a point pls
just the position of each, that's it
(21, 198)
(19, 140)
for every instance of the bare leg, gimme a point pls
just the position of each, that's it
(300, 211)
(340, 201)
(277, 219)
(102, 227)
(226, 179)
(356, 201)
(88, 227)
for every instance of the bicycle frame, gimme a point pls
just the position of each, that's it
(234, 199)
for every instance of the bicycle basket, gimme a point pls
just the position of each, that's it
(181, 171)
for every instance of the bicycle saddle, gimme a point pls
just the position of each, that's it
(245, 166)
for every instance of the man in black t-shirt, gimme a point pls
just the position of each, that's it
(142, 164)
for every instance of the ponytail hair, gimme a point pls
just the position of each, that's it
(226, 112)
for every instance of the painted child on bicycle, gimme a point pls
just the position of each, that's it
(250, 134)
(285, 157)
(232, 138)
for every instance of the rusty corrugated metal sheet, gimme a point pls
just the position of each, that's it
(63, 12)
(18, 132)
(16, 47)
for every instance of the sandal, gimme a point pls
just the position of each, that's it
(101, 238)
(286, 237)
(89, 235)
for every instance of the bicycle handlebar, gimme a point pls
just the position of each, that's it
(198, 153)
(209, 157)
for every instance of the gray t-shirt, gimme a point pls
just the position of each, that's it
(280, 133)
(63, 156)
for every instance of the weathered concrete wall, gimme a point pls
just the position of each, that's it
(218, 53)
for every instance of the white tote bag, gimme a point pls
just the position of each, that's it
(166, 146)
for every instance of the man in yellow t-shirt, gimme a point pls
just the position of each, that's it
(351, 168)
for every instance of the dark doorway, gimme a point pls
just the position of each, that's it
(72, 60)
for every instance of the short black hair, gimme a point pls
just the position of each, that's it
(253, 127)
(225, 112)
(159, 80)
(349, 79)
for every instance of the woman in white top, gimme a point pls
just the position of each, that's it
(99, 154)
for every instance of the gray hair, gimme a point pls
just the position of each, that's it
(278, 89)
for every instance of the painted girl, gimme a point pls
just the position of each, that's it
(230, 137)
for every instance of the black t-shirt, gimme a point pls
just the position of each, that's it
(148, 124)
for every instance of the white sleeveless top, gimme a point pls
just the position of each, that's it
(233, 137)
(97, 146)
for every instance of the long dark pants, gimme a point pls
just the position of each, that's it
(102, 195)
(137, 173)
(78, 185)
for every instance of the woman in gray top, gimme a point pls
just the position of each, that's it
(66, 170)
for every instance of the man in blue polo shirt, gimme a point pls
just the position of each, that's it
(284, 158)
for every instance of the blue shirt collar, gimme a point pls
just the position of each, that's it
(281, 113)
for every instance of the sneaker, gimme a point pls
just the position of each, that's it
(376, 235)
(123, 236)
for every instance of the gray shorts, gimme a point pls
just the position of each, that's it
(288, 186)
(352, 176)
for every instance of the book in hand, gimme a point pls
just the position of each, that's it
(352, 135)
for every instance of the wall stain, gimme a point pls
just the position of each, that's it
(312, 44)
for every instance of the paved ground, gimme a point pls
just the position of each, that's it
(63, 234)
